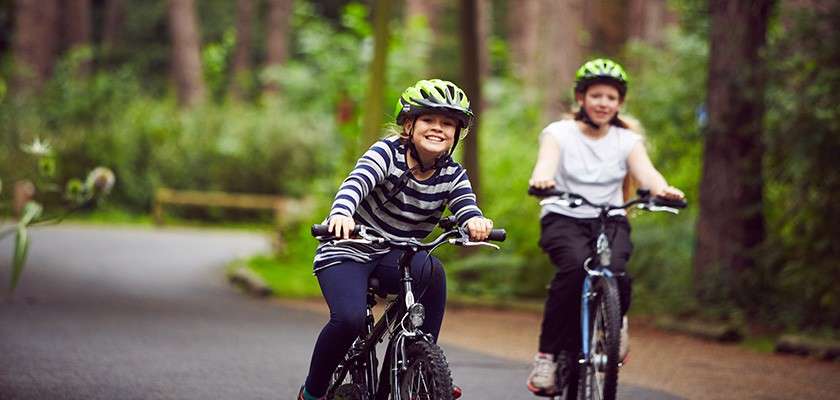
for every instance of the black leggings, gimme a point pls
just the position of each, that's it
(345, 289)
(568, 242)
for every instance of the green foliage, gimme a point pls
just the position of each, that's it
(801, 273)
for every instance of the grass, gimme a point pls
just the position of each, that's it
(289, 280)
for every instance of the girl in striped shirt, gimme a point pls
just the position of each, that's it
(400, 187)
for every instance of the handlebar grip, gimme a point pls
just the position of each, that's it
(323, 230)
(659, 201)
(497, 235)
(532, 191)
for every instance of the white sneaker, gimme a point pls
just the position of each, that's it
(624, 344)
(542, 378)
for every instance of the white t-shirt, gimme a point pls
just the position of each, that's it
(592, 168)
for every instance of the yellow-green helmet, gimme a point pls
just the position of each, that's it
(601, 70)
(429, 95)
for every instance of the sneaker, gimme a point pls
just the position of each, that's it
(624, 344)
(542, 378)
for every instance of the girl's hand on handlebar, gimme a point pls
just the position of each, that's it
(542, 183)
(479, 228)
(670, 193)
(341, 226)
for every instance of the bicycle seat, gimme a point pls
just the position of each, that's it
(374, 288)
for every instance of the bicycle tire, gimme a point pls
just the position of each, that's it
(427, 375)
(598, 380)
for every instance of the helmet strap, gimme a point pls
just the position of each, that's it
(583, 116)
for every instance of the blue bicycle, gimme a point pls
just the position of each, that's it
(598, 363)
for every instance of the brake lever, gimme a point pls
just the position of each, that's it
(563, 201)
(470, 243)
(364, 238)
(651, 207)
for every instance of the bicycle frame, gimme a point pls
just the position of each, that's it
(602, 253)
(363, 351)
(362, 354)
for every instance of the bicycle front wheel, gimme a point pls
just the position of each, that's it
(599, 377)
(427, 376)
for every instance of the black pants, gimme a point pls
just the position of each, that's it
(345, 289)
(568, 242)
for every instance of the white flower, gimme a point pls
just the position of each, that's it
(38, 148)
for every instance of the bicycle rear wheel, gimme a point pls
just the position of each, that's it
(599, 377)
(427, 376)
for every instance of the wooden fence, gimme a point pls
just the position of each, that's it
(285, 209)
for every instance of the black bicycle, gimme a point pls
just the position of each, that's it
(414, 367)
(598, 362)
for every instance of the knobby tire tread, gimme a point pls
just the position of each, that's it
(608, 296)
(438, 369)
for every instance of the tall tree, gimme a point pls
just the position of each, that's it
(607, 24)
(186, 52)
(35, 45)
(471, 79)
(372, 119)
(241, 68)
(647, 20)
(114, 18)
(523, 22)
(563, 46)
(279, 16)
(731, 221)
(428, 9)
(76, 22)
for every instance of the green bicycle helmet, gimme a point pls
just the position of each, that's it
(434, 95)
(601, 70)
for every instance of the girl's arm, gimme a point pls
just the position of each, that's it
(371, 169)
(547, 161)
(642, 170)
(463, 205)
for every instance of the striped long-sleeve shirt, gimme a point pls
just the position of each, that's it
(411, 212)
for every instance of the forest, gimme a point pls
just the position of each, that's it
(737, 101)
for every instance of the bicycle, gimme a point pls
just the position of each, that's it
(598, 362)
(414, 366)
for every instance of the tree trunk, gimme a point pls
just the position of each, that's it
(484, 17)
(76, 24)
(372, 119)
(429, 9)
(279, 17)
(114, 18)
(731, 221)
(648, 20)
(35, 44)
(523, 31)
(241, 68)
(471, 80)
(607, 29)
(186, 52)
(563, 47)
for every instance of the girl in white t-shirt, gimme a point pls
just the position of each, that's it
(590, 155)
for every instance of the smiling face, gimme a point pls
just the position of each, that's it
(601, 102)
(433, 135)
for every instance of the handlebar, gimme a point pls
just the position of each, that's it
(454, 234)
(645, 201)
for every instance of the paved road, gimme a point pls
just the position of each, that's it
(146, 314)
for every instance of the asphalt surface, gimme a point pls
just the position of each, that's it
(109, 313)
